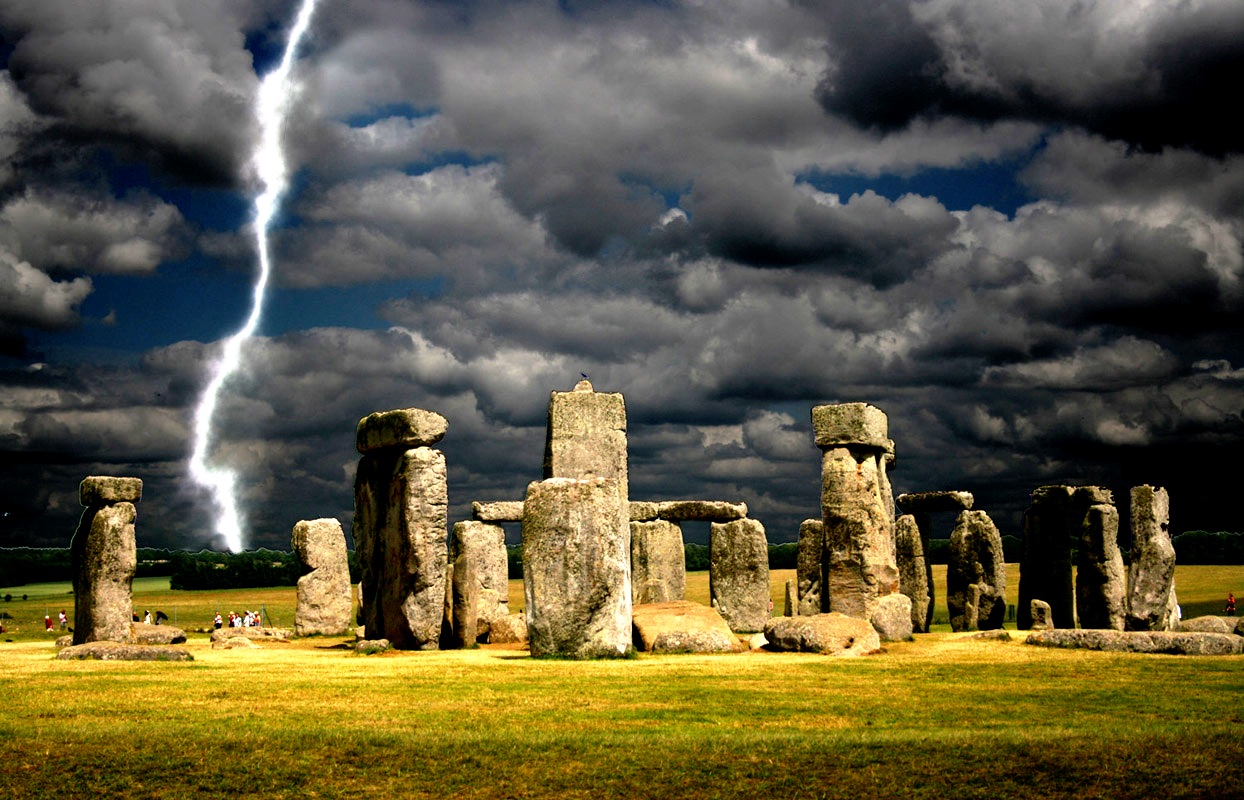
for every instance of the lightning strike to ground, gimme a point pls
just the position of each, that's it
(271, 108)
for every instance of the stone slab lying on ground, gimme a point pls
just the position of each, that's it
(913, 502)
(996, 635)
(268, 634)
(498, 511)
(832, 634)
(1209, 624)
(115, 651)
(510, 629)
(406, 428)
(369, 647)
(234, 643)
(1169, 642)
(701, 510)
(102, 490)
(682, 627)
(142, 633)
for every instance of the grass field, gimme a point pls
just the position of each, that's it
(941, 716)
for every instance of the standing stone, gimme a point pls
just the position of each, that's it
(920, 506)
(104, 558)
(738, 577)
(465, 599)
(976, 574)
(324, 602)
(1153, 605)
(577, 568)
(1040, 613)
(484, 544)
(913, 571)
(1100, 580)
(859, 531)
(658, 562)
(1045, 569)
(810, 569)
(400, 509)
(789, 601)
(586, 437)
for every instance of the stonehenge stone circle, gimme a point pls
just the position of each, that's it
(738, 578)
(914, 571)
(104, 559)
(658, 562)
(1101, 584)
(577, 568)
(324, 602)
(976, 574)
(400, 507)
(1152, 604)
(856, 511)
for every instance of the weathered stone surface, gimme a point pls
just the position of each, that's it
(1208, 624)
(325, 604)
(976, 574)
(851, 424)
(400, 504)
(278, 635)
(1239, 627)
(576, 568)
(892, 618)
(1152, 604)
(587, 438)
(810, 569)
(738, 577)
(404, 429)
(644, 510)
(1039, 611)
(859, 536)
(658, 562)
(990, 636)
(104, 490)
(500, 511)
(789, 600)
(234, 643)
(484, 544)
(682, 627)
(914, 572)
(116, 651)
(1169, 642)
(104, 559)
(466, 591)
(510, 629)
(832, 634)
(1051, 525)
(929, 502)
(1101, 589)
(489, 609)
(368, 647)
(701, 510)
(142, 633)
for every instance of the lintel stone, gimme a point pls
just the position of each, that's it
(703, 510)
(644, 510)
(916, 502)
(406, 428)
(103, 490)
(851, 424)
(499, 511)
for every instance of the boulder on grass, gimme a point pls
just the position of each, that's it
(510, 629)
(1169, 642)
(682, 627)
(234, 643)
(142, 633)
(833, 634)
(1208, 624)
(115, 651)
(892, 618)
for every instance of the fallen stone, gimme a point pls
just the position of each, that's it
(142, 633)
(367, 647)
(658, 562)
(1209, 624)
(701, 510)
(500, 511)
(105, 490)
(510, 629)
(850, 424)
(263, 634)
(405, 428)
(64, 641)
(325, 600)
(892, 618)
(576, 568)
(644, 510)
(104, 558)
(1168, 642)
(757, 641)
(929, 502)
(990, 636)
(234, 643)
(738, 577)
(116, 651)
(832, 634)
(1041, 617)
(682, 627)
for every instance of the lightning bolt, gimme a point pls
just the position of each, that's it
(271, 108)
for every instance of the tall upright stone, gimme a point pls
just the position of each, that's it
(658, 562)
(738, 577)
(1101, 584)
(1152, 604)
(976, 574)
(464, 599)
(857, 514)
(324, 601)
(586, 437)
(810, 569)
(484, 544)
(913, 572)
(400, 514)
(577, 568)
(104, 558)
(1050, 523)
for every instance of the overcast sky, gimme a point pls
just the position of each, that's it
(1015, 227)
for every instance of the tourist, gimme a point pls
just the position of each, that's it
(218, 621)
(64, 620)
(47, 622)
(1229, 610)
(146, 617)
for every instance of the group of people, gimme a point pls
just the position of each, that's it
(48, 625)
(247, 619)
